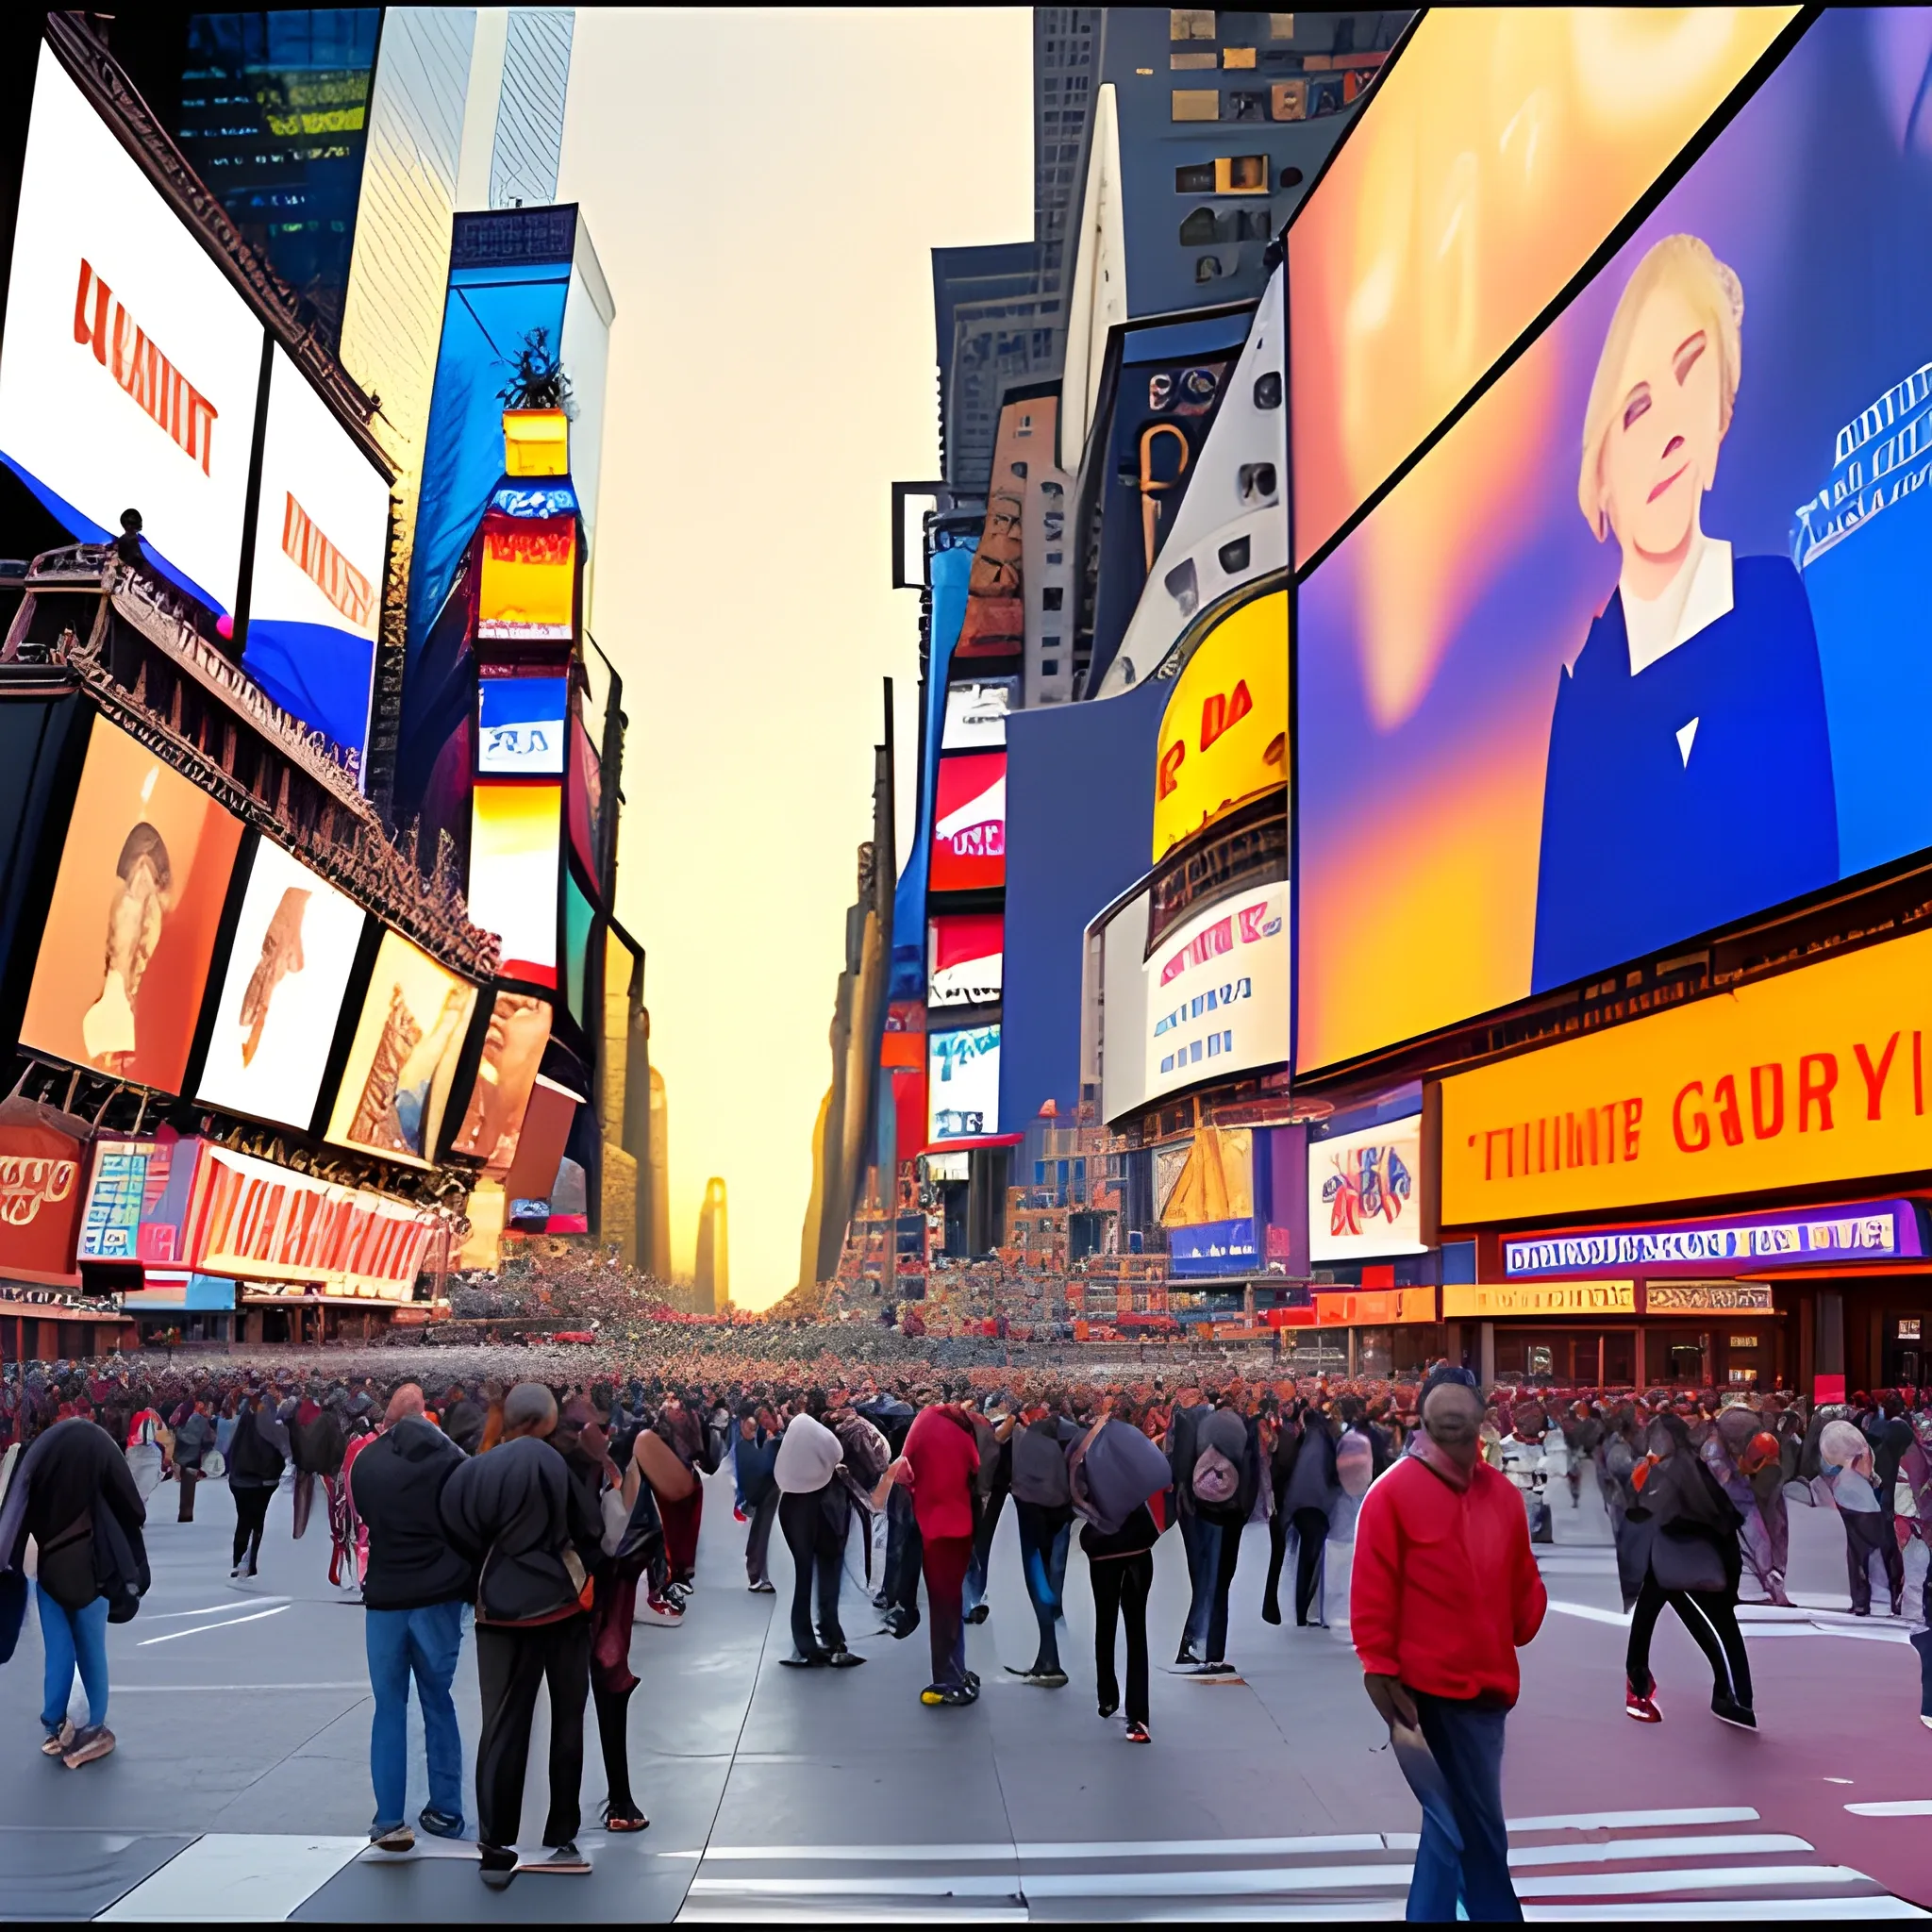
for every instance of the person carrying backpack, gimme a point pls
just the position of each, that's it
(1226, 1479)
(1043, 1501)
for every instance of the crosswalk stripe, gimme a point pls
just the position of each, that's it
(1689, 1878)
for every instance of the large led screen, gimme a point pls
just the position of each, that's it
(288, 971)
(963, 1083)
(964, 958)
(1217, 993)
(1664, 659)
(528, 593)
(1365, 1193)
(512, 1054)
(130, 365)
(1497, 152)
(976, 714)
(513, 841)
(969, 831)
(321, 541)
(124, 958)
(403, 1059)
(521, 726)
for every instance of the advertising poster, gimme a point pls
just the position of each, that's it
(1217, 993)
(404, 1056)
(1122, 1022)
(976, 714)
(513, 839)
(963, 1083)
(42, 1157)
(1497, 152)
(321, 545)
(1365, 1193)
(520, 724)
(512, 1052)
(124, 955)
(1223, 736)
(528, 593)
(295, 949)
(965, 959)
(969, 832)
(130, 365)
(116, 1192)
(1638, 650)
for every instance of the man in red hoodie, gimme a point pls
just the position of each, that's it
(939, 1465)
(1444, 1591)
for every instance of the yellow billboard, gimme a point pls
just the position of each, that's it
(1808, 1080)
(1223, 736)
(1486, 1303)
(528, 593)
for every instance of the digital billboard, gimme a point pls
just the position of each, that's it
(1661, 659)
(512, 1052)
(1223, 736)
(976, 714)
(528, 593)
(963, 1083)
(1120, 1023)
(288, 970)
(320, 544)
(969, 830)
(403, 1059)
(521, 723)
(129, 364)
(513, 841)
(1217, 992)
(963, 958)
(124, 958)
(1365, 1193)
(42, 1157)
(1497, 152)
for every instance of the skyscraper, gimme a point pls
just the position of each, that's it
(711, 1284)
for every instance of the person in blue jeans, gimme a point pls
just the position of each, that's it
(415, 1597)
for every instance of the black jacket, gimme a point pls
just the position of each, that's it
(398, 1485)
(518, 1516)
(85, 1513)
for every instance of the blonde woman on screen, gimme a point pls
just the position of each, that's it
(1689, 778)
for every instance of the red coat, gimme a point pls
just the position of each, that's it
(944, 1455)
(1444, 1587)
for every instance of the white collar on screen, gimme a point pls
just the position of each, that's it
(1698, 596)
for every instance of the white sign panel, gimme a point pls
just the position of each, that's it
(1217, 993)
(1123, 1019)
(963, 1083)
(1365, 1193)
(130, 365)
(976, 714)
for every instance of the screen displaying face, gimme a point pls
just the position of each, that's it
(293, 952)
(404, 1056)
(124, 958)
(512, 1052)
(1636, 650)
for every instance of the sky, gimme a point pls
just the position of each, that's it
(764, 189)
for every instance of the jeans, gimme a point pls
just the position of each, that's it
(423, 1643)
(1712, 1618)
(1202, 1542)
(1120, 1590)
(985, 1520)
(1044, 1535)
(945, 1560)
(1465, 1845)
(512, 1664)
(74, 1639)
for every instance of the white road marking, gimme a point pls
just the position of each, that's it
(1730, 1845)
(1590, 1612)
(238, 1877)
(1630, 1821)
(212, 1610)
(1892, 1808)
(202, 1629)
(1618, 1884)
(1766, 1909)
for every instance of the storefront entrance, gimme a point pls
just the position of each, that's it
(1578, 1358)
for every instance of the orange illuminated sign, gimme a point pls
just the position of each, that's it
(1486, 1302)
(529, 579)
(1816, 1076)
(1375, 1307)
(1223, 736)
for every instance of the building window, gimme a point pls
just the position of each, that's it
(1246, 106)
(1289, 100)
(1281, 26)
(1191, 24)
(1241, 175)
(1198, 230)
(1253, 224)
(1189, 63)
(1236, 56)
(1051, 596)
(1196, 179)
(1196, 104)
(1208, 269)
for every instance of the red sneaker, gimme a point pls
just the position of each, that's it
(1640, 1705)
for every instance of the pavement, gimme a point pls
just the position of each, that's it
(240, 1789)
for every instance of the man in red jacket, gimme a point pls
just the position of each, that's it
(1444, 1592)
(939, 1465)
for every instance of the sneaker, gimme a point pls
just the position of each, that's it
(95, 1741)
(58, 1743)
(1108, 1706)
(764, 1587)
(978, 1613)
(1046, 1680)
(1727, 1711)
(807, 1660)
(1137, 1734)
(564, 1857)
(499, 1866)
(738, 1514)
(1642, 1704)
(393, 1838)
(1186, 1655)
(844, 1660)
(1218, 1668)
(441, 1823)
(234, 1571)
(972, 1680)
(656, 1610)
(950, 1694)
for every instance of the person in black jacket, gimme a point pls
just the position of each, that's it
(516, 1514)
(414, 1594)
(1238, 1438)
(257, 1455)
(86, 1515)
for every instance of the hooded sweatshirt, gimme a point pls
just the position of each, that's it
(515, 1512)
(808, 1454)
(396, 1483)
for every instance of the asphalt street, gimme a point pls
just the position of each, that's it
(240, 1789)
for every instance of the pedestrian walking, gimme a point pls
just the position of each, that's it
(1445, 1591)
(195, 1437)
(1848, 1463)
(258, 1452)
(814, 1516)
(1043, 1504)
(939, 1466)
(753, 1454)
(1200, 1537)
(1309, 1498)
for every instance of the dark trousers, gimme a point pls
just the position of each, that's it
(681, 1520)
(986, 1522)
(188, 1478)
(1711, 1619)
(1120, 1589)
(816, 1552)
(1311, 1541)
(1225, 1558)
(1868, 1531)
(1465, 1844)
(1043, 1536)
(251, 1516)
(614, 1720)
(946, 1559)
(757, 1538)
(512, 1662)
(903, 1553)
(1200, 1540)
(303, 1502)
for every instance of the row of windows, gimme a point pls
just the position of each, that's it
(1204, 227)
(1231, 175)
(1287, 100)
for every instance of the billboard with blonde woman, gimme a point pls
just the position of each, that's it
(124, 954)
(1673, 660)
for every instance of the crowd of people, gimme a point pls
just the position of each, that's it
(551, 1516)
